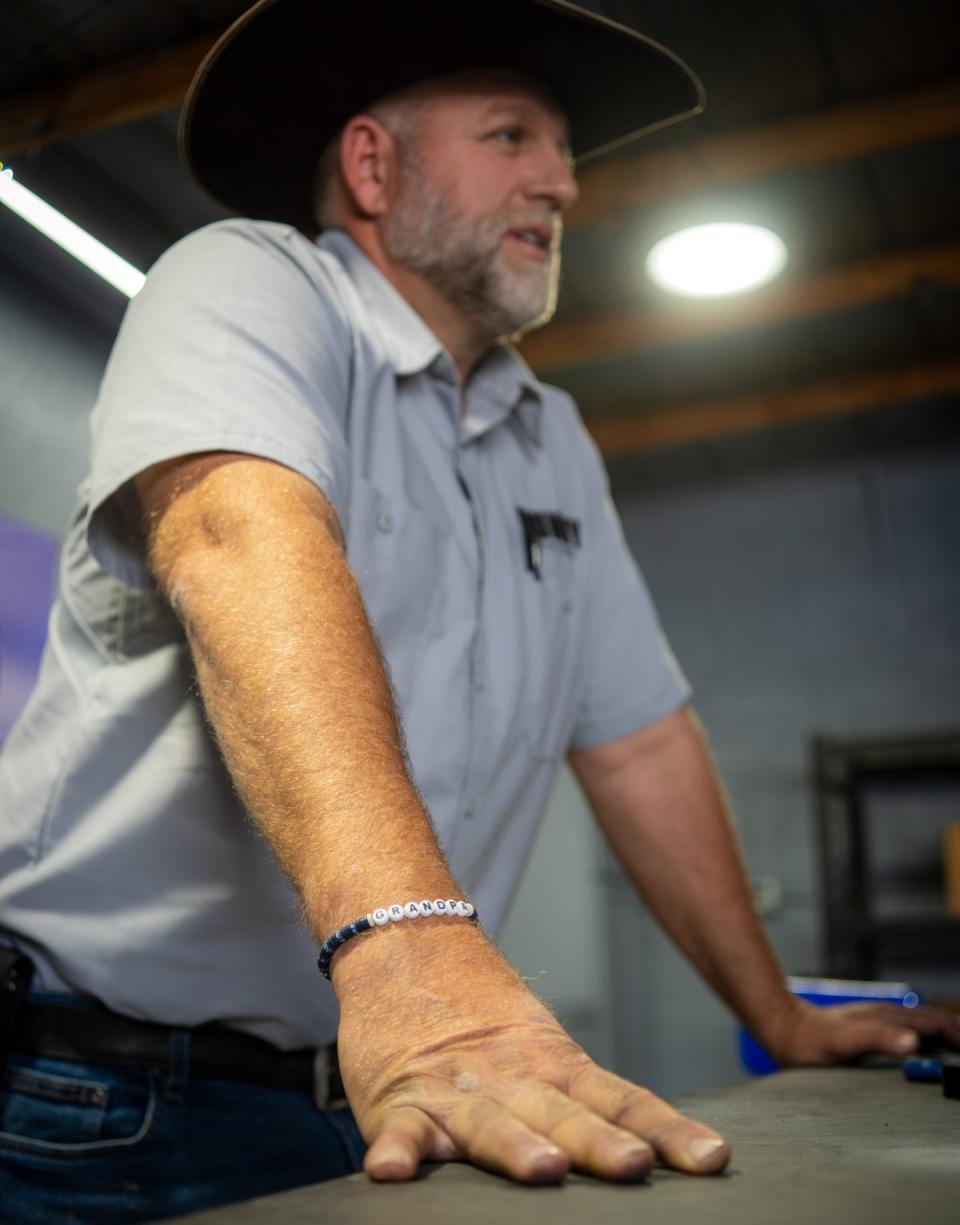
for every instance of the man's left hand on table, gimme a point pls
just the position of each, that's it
(843, 1032)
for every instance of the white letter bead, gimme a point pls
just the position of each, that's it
(396, 914)
(464, 909)
(426, 908)
(412, 910)
(451, 905)
(439, 906)
(380, 917)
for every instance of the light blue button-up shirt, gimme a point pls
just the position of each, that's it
(478, 523)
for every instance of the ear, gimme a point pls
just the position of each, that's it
(368, 160)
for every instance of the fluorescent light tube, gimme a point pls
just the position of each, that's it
(66, 234)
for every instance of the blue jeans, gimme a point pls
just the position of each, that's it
(100, 1144)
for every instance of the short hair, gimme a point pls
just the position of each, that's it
(399, 112)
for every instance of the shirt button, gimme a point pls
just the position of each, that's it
(385, 522)
(468, 813)
(566, 606)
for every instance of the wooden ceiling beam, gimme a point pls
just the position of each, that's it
(614, 186)
(876, 279)
(110, 94)
(622, 432)
(137, 87)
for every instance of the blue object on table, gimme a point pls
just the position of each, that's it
(823, 992)
(928, 1070)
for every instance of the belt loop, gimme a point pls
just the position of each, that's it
(178, 1063)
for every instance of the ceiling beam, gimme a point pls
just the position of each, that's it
(101, 97)
(879, 278)
(151, 81)
(624, 432)
(614, 186)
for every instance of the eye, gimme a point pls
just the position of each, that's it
(508, 136)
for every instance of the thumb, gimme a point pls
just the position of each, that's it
(406, 1137)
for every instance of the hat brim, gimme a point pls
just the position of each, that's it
(284, 78)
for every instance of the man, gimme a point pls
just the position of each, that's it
(305, 444)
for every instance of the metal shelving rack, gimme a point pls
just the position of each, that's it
(854, 935)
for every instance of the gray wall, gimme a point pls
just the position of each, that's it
(51, 361)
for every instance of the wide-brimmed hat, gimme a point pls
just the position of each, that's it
(279, 84)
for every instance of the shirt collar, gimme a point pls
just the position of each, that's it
(502, 381)
(408, 342)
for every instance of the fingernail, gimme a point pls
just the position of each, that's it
(639, 1160)
(547, 1163)
(701, 1150)
(906, 1042)
(547, 1156)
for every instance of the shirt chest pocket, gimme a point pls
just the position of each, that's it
(399, 556)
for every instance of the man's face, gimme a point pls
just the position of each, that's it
(477, 213)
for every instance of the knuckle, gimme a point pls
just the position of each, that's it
(668, 1126)
(631, 1102)
(572, 1116)
(489, 1135)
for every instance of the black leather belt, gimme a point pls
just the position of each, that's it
(102, 1036)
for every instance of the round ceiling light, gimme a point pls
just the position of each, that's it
(724, 257)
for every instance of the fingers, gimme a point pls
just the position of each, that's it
(605, 1126)
(888, 1027)
(861, 1037)
(480, 1130)
(533, 1127)
(491, 1135)
(930, 1022)
(678, 1141)
(594, 1145)
(407, 1137)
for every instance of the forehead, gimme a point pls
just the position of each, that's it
(475, 97)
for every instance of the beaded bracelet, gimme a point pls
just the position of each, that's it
(392, 914)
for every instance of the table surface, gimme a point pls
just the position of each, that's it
(831, 1146)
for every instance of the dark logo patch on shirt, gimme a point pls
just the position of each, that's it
(542, 527)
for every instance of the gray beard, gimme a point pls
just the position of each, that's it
(463, 260)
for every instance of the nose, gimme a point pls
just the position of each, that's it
(555, 179)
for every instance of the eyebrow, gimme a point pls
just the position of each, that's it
(496, 105)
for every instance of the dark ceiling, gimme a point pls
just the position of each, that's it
(836, 121)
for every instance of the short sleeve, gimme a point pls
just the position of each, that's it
(234, 343)
(631, 677)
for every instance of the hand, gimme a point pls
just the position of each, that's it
(844, 1031)
(471, 1066)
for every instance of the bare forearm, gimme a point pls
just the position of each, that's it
(294, 687)
(667, 820)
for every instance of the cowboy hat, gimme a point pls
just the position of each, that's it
(279, 84)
